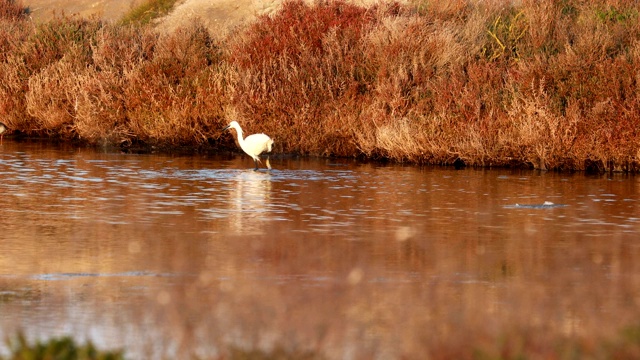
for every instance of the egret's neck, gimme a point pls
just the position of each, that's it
(240, 137)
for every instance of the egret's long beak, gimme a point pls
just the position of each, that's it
(226, 127)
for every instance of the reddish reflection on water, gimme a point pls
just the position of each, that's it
(175, 256)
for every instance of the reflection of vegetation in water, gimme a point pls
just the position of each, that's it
(8, 294)
(278, 353)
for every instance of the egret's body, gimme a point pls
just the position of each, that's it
(253, 145)
(3, 128)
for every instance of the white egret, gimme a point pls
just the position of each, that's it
(3, 128)
(253, 145)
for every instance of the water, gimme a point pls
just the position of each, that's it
(174, 255)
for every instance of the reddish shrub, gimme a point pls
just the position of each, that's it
(298, 29)
(12, 10)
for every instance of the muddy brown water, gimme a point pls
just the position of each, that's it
(170, 256)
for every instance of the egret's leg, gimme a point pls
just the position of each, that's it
(268, 163)
(255, 162)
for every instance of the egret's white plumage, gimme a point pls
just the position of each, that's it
(3, 128)
(253, 145)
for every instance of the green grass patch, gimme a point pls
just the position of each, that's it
(64, 348)
(147, 11)
(613, 15)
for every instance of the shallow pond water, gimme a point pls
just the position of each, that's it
(171, 256)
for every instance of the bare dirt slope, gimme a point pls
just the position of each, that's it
(217, 15)
(42, 10)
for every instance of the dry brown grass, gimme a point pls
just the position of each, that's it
(118, 85)
(547, 85)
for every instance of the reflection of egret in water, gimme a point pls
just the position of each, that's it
(250, 202)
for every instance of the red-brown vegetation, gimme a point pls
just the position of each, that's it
(551, 85)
